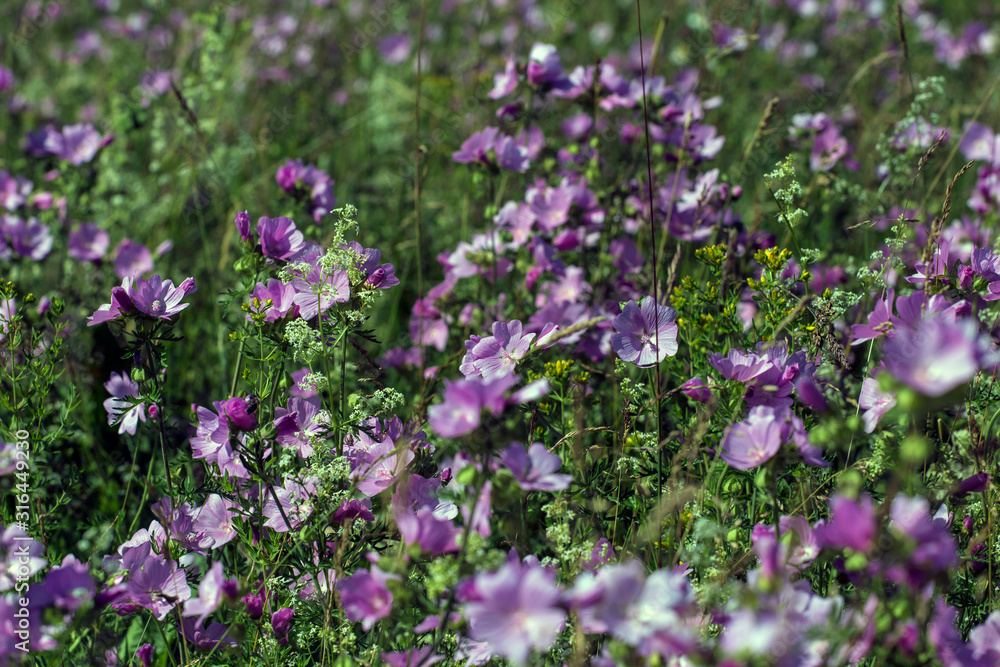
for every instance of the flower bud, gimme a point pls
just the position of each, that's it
(239, 413)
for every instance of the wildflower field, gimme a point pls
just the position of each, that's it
(499, 332)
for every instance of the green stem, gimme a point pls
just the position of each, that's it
(160, 418)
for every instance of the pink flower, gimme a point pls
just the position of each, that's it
(875, 403)
(366, 597)
(496, 356)
(646, 333)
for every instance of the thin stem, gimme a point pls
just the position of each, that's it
(343, 387)
(652, 240)
(463, 549)
(180, 631)
(160, 417)
(159, 626)
(416, 187)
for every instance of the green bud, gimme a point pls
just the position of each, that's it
(850, 483)
(760, 479)
(914, 449)
(138, 375)
(855, 562)
(855, 423)
(466, 475)
(907, 399)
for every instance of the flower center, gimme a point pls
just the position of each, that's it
(156, 307)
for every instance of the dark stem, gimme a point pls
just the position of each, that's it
(160, 416)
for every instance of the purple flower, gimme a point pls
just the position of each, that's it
(299, 424)
(121, 305)
(8, 311)
(937, 356)
(477, 147)
(211, 592)
(77, 144)
(646, 333)
(770, 373)
(242, 221)
(879, 322)
(319, 291)
(980, 144)
(124, 412)
(395, 49)
(464, 402)
(505, 82)
(751, 442)
(985, 639)
(238, 411)
(852, 524)
(378, 467)
(601, 554)
(647, 613)
(87, 243)
(70, 584)
(281, 622)
(297, 377)
(6, 79)
(810, 394)
(933, 547)
(214, 522)
(145, 654)
(738, 365)
(535, 470)
(365, 596)
(298, 178)
(14, 190)
(516, 609)
(207, 639)
(754, 440)
(212, 441)
(296, 506)
(28, 238)
(279, 239)
(697, 390)
(434, 534)
(159, 298)
(132, 259)
(18, 551)
(544, 68)
(255, 602)
(476, 512)
(804, 547)
(549, 206)
(157, 585)
(354, 509)
(974, 484)
(496, 356)
(415, 656)
(382, 276)
(510, 155)
(282, 297)
(875, 403)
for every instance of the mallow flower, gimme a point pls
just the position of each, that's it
(496, 356)
(646, 333)
(125, 413)
(515, 609)
(366, 597)
(937, 355)
(756, 439)
(535, 469)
